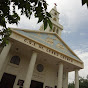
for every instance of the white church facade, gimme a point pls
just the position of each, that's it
(38, 59)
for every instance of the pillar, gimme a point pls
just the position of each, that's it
(65, 80)
(76, 79)
(30, 70)
(60, 75)
(3, 56)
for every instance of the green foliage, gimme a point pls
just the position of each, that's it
(83, 83)
(9, 14)
(85, 2)
(4, 34)
(71, 85)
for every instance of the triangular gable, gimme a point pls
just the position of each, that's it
(51, 40)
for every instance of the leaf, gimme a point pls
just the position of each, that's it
(45, 4)
(48, 14)
(6, 32)
(50, 23)
(39, 4)
(36, 1)
(45, 23)
(40, 19)
(83, 2)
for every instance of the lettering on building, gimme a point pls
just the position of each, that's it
(48, 50)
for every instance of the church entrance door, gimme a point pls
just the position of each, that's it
(7, 81)
(36, 84)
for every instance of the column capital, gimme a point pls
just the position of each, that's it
(59, 63)
(11, 42)
(33, 51)
(77, 69)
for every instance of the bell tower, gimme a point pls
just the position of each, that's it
(56, 27)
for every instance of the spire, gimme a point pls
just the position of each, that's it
(55, 6)
(56, 27)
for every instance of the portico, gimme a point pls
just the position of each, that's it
(38, 59)
(59, 65)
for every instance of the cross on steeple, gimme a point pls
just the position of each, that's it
(55, 4)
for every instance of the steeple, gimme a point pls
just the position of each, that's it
(55, 7)
(56, 27)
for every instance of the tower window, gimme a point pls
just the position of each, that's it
(55, 13)
(15, 60)
(54, 19)
(53, 29)
(57, 31)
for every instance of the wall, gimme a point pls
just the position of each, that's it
(48, 76)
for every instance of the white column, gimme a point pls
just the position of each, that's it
(65, 80)
(30, 70)
(3, 56)
(76, 79)
(60, 75)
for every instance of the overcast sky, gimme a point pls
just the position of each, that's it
(74, 18)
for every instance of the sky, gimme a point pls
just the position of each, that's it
(74, 18)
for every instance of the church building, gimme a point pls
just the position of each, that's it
(38, 58)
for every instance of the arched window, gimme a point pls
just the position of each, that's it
(15, 60)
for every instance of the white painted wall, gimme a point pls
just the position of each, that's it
(48, 76)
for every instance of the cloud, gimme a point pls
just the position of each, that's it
(71, 77)
(83, 55)
(82, 34)
(25, 23)
(67, 32)
(74, 13)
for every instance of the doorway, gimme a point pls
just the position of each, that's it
(36, 84)
(7, 81)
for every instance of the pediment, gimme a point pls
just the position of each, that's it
(51, 40)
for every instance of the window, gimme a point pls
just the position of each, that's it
(40, 67)
(53, 29)
(15, 60)
(55, 13)
(54, 19)
(57, 31)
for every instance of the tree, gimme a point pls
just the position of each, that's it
(83, 83)
(9, 14)
(85, 2)
(71, 85)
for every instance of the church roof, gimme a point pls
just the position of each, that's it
(51, 40)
